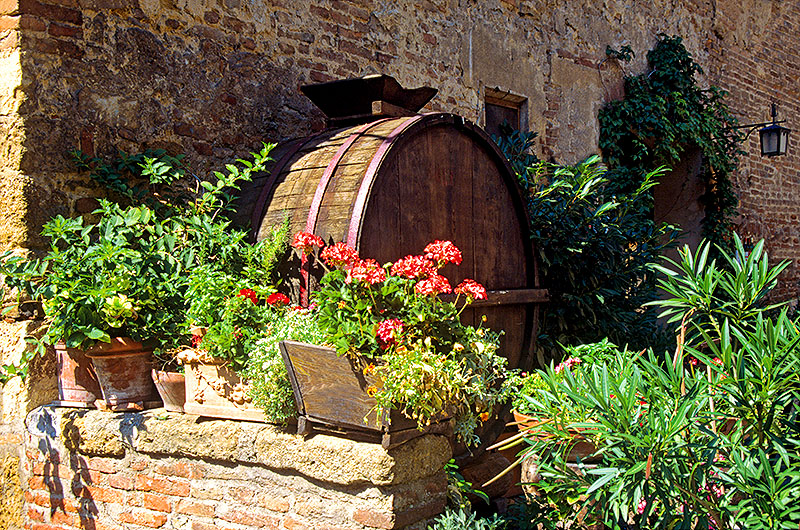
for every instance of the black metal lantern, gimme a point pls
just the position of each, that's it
(774, 138)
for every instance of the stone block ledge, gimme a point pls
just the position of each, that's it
(323, 458)
(155, 469)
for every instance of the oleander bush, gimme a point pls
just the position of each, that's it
(702, 437)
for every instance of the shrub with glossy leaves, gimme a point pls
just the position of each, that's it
(705, 437)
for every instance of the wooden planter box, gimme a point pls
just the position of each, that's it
(331, 396)
(216, 391)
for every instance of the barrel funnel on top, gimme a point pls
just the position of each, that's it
(360, 100)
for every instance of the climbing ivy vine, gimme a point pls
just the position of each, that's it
(664, 114)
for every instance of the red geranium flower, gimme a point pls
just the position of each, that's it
(196, 340)
(339, 255)
(413, 267)
(250, 294)
(278, 298)
(472, 289)
(367, 270)
(436, 284)
(305, 242)
(443, 252)
(388, 331)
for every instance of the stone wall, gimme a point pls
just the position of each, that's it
(102, 471)
(214, 78)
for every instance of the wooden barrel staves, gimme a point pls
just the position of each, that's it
(390, 186)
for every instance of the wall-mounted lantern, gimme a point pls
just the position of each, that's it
(774, 138)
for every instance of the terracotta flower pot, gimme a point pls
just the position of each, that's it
(123, 371)
(171, 387)
(77, 382)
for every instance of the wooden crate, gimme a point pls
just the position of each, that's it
(331, 396)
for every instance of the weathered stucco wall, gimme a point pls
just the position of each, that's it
(16, 401)
(13, 208)
(213, 78)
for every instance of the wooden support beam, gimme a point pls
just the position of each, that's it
(509, 297)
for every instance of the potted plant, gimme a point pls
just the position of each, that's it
(230, 303)
(104, 295)
(120, 281)
(529, 388)
(394, 355)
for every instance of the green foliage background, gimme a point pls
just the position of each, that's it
(664, 115)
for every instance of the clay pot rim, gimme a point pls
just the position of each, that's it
(158, 373)
(118, 347)
(192, 356)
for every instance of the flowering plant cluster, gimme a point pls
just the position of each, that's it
(230, 295)
(528, 386)
(269, 386)
(359, 297)
(394, 320)
(122, 271)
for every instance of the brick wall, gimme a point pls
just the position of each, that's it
(102, 471)
(214, 78)
(758, 62)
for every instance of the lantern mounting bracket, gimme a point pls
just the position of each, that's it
(754, 126)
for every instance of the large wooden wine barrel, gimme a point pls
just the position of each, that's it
(390, 186)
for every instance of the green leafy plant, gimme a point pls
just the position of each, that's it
(595, 248)
(662, 116)
(463, 519)
(458, 488)
(703, 438)
(528, 385)
(127, 273)
(231, 292)
(270, 389)
(516, 145)
(706, 295)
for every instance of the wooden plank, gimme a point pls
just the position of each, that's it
(382, 216)
(384, 108)
(328, 387)
(508, 297)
